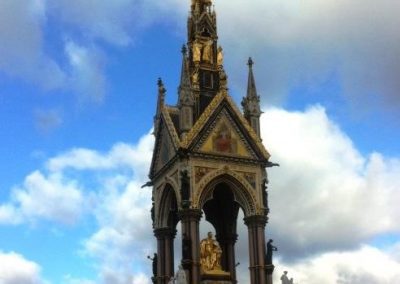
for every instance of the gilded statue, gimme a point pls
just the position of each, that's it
(210, 254)
(207, 2)
(195, 78)
(220, 57)
(207, 52)
(196, 50)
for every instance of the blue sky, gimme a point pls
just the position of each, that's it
(77, 99)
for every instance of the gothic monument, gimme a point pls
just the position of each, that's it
(208, 157)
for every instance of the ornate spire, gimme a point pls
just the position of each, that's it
(186, 99)
(160, 103)
(185, 76)
(161, 95)
(251, 84)
(251, 103)
(199, 6)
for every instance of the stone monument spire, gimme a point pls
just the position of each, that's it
(251, 102)
(208, 162)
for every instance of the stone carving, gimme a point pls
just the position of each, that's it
(251, 178)
(154, 261)
(152, 211)
(210, 254)
(185, 185)
(195, 77)
(285, 279)
(200, 172)
(180, 276)
(270, 250)
(265, 193)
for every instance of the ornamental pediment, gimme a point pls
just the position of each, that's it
(225, 138)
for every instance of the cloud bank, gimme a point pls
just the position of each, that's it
(15, 269)
(309, 43)
(325, 185)
(330, 205)
(352, 47)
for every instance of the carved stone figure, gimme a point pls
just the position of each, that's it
(270, 250)
(180, 276)
(196, 51)
(265, 193)
(152, 211)
(285, 279)
(195, 78)
(210, 254)
(154, 261)
(185, 186)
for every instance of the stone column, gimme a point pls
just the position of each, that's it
(256, 228)
(227, 243)
(165, 250)
(190, 220)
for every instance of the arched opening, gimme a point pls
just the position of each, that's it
(168, 213)
(223, 198)
(222, 211)
(165, 231)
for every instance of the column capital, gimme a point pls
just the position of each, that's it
(164, 232)
(269, 268)
(256, 220)
(194, 214)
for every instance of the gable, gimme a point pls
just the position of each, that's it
(164, 149)
(206, 22)
(222, 129)
(225, 138)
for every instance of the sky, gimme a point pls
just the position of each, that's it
(77, 100)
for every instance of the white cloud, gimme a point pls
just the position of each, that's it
(307, 42)
(15, 269)
(68, 279)
(87, 72)
(22, 44)
(125, 233)
(326, 200)
(134, 157)
(43, 197)
(368, 265)
(326, 195)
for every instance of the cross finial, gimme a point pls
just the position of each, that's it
(250, 62)
(161, 88)
(184, 50)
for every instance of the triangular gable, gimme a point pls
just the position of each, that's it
(224, 138)
(222, 129)
(205, 20)
(166, 144)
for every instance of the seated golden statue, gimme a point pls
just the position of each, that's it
(210, 255)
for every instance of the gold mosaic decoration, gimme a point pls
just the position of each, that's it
(200, 172)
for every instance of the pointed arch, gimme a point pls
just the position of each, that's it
(167, 215)
(242, 191)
